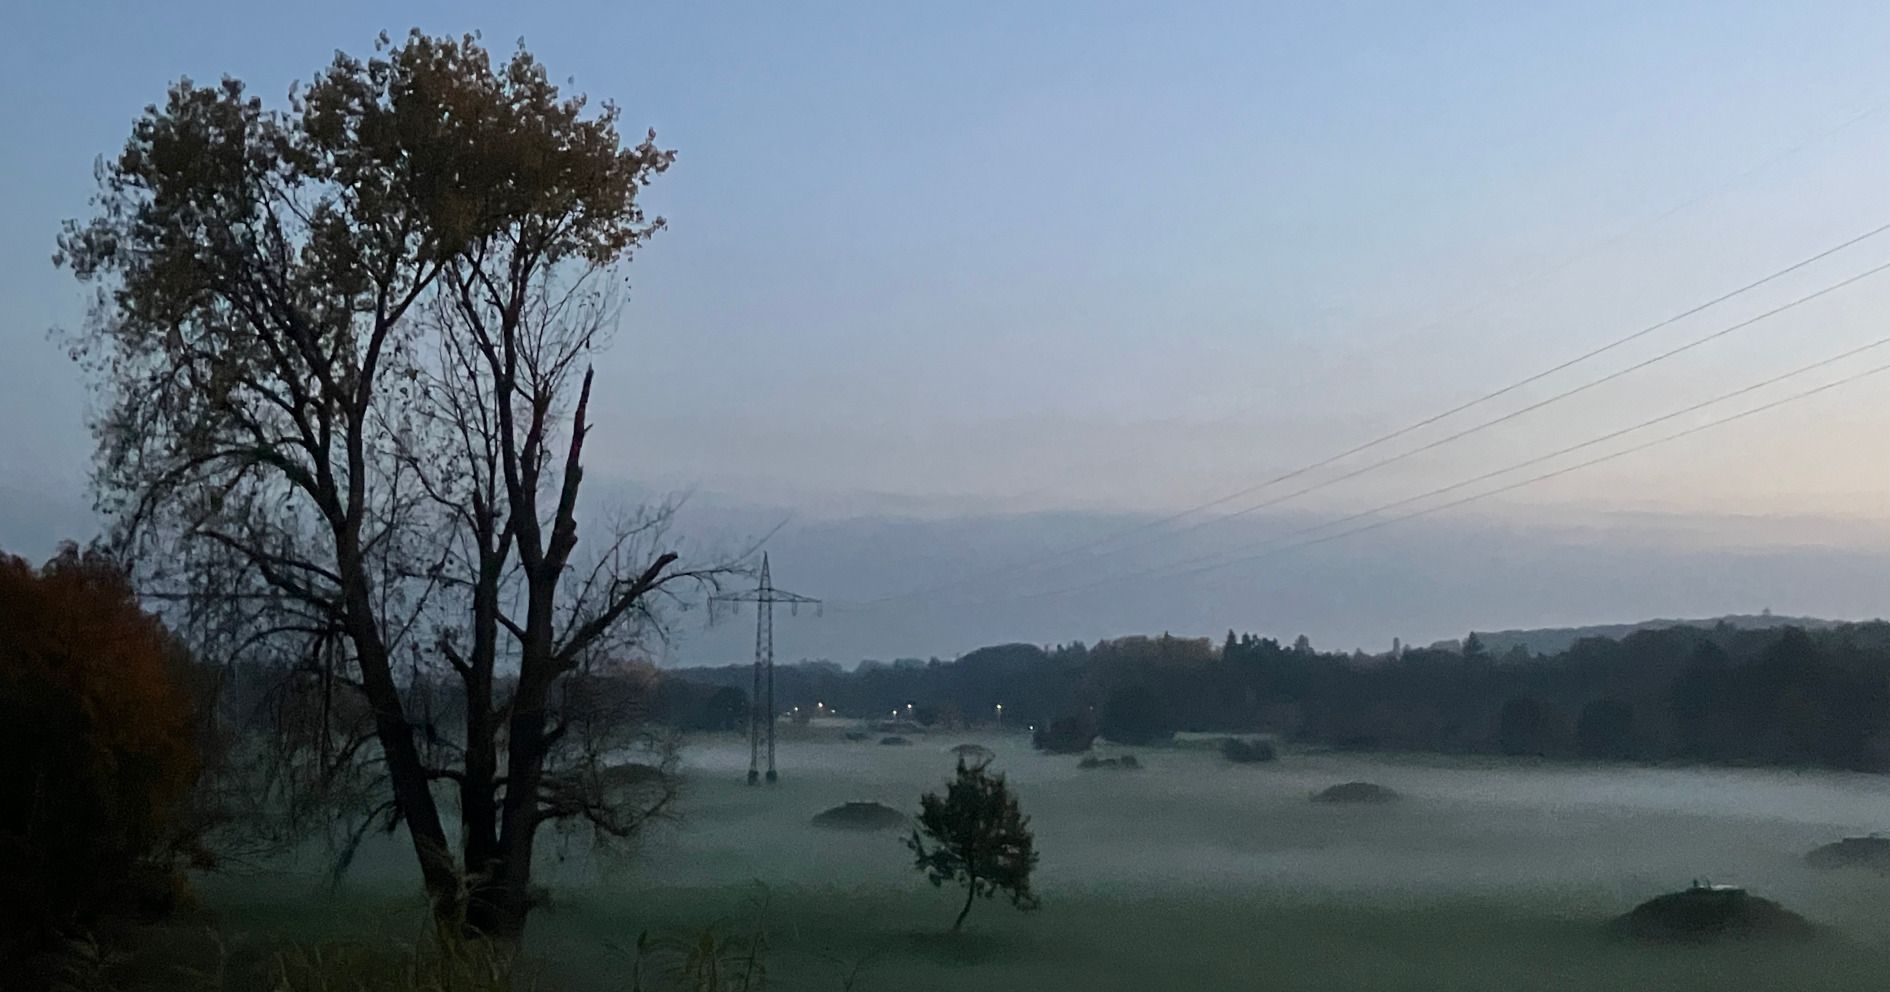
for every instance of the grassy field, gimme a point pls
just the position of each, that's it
(1188, 874)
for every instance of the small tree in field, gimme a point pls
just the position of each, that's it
(975, 836)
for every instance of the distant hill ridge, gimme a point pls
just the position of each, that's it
(1550, 640)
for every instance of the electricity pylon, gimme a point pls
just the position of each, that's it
(760, 702)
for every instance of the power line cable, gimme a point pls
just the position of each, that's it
(1485, 425)
(1566, 261)
(1633, 449)
(1165, 520)
(1537, 460)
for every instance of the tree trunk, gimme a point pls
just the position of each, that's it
(495, 908)
(971, 892)
(519, 827)
(479, 814)
(478, 792)
(527, 739)
(408, 775)
(405, 771)
(526, 745)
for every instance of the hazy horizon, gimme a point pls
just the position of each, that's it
(909, 586)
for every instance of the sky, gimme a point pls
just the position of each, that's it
(946, 289)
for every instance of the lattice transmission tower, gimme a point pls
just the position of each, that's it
(761, 701)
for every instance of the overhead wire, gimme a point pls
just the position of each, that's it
(1514, 414)
(1572, 258)
(1642, 332)
(1270, 546)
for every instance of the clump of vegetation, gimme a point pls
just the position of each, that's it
(862, 816)
(634, 774)
(1137, 716)
(1853, 852)
(1241, 751)
(1529, 727)
(1708, 913)
(974, 752)
(894, 740)
(696, 708)
(1065, 735)
(1356, 792)
(707, 961)
(441, 963)
(1605, 730)
(975, 836)
(1126, 761)
(98, 750)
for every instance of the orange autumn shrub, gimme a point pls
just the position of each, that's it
(97, 750)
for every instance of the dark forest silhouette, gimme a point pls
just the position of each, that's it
(1780, 696)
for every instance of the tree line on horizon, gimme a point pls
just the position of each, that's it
(1724, 694)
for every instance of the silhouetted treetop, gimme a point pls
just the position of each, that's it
(343, 347)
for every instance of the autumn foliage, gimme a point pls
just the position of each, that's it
(97, 749)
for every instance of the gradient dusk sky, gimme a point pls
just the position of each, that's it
(940, 265)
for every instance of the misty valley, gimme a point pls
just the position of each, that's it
(1190, 872)
(633, 497)
(1201, 812)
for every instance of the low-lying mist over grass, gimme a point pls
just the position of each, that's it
(1191, 872)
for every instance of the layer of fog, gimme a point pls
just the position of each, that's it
(1579, 841)
(1190, 822)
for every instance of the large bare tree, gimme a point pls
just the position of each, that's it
(343, 349)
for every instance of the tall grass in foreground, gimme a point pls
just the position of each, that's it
(705, 961)
(439, 964)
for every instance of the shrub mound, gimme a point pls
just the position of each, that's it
(974, 752)
(894, 740)
(1853, 852)
(1064, 735)
(631, 774)
(1708, 913)
(1356, 792)
(1246, 752)
(862, 816)
(1124, 762)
